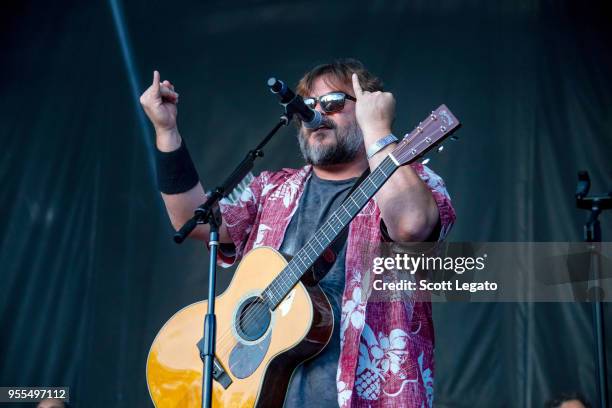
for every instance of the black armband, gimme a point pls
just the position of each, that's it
(176, 172)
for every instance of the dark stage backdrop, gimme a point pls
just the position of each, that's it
(88, 269)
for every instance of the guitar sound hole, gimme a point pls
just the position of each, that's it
(253, 319)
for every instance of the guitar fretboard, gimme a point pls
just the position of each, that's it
(327, 233)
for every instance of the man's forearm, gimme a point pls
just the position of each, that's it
(406, 203)
(180, 206)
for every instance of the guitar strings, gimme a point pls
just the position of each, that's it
(324, 230)
(252, 314)
(225, 347)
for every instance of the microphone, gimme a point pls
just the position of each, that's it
(293, 103)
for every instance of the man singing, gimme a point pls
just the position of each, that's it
(381, 353)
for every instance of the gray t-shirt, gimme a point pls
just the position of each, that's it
(315, 379)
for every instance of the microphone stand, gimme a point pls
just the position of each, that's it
(208, 213)
(592, 234)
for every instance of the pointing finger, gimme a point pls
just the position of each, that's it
(155, 84)
(356, 86)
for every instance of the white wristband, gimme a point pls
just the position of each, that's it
(380, 144)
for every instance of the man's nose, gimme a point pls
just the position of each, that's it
(319, 109)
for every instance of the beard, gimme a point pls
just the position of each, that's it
(345, 145)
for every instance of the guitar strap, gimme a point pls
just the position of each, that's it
(324, 263)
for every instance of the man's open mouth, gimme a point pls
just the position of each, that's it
(322, 126)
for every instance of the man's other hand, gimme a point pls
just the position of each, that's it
(374, 111)
(159, 102)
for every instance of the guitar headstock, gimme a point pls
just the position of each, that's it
(431, 132)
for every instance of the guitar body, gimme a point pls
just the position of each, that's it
(256, 349)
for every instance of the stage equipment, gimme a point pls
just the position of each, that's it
(592, 234)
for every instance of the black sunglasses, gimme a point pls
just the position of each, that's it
(330, 103)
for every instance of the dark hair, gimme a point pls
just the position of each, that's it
(565, 397)
(339, 74)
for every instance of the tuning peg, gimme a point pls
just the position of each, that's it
(453, 137)
(425, 161)
(440, 149)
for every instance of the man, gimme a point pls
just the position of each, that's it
(381, 355)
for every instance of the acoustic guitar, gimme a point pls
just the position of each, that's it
(273, 316)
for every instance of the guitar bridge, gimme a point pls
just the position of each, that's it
(220, 375)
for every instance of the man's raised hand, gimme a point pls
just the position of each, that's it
(374, 111)
(159, 103)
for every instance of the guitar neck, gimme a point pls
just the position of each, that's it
(327, 233)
